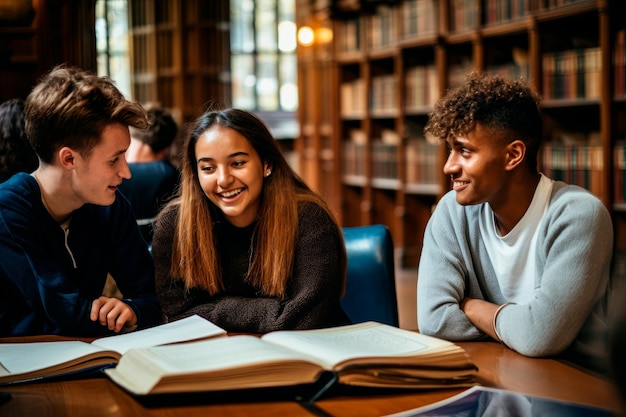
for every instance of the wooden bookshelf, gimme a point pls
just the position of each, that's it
(180, 54)
(392, 60)
(317, 106)
(28, 48)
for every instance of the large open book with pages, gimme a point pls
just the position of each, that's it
(22, 362)
(366, 354)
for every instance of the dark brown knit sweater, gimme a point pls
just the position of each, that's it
(313, 290)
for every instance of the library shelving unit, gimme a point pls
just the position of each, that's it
(391, 60)
(27, 48)
(19, 52)
(316, 146)
(180, 54)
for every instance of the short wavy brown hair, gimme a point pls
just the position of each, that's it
(497, 104)
(71, 107)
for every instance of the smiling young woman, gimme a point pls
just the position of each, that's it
(247, 244)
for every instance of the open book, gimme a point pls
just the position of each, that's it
(21, 362)
(367, 354)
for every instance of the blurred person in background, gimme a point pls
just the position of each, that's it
(154, 179)
(16, 154)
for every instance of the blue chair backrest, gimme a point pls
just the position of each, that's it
(370, 283)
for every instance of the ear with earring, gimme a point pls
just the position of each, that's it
(268, 172)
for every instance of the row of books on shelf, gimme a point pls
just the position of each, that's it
(572, 74)
(421, 87)
(384, 160)
(383, 26)
(497, 11)
(410, 19)
(464, 15)
(421, 90)
(568, 74)
(348, 37)
(422, 162)
(421, 159)
(619, 64)
(353, 98)
(419, 18)
(384, 93)
(574, 164)
(353, 159)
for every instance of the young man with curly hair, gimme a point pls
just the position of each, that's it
(509, 253)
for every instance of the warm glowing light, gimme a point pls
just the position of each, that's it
(306, 36)
(324, 35)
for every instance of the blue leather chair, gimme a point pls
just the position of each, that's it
(370, 285)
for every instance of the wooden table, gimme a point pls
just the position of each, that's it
(499, 367)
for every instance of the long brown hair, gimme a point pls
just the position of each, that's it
(194, 253)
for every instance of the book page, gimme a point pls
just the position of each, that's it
(365, 340)
(211, 355)
(189, 328)
(21, 361)
(216, 364)
(19, 358)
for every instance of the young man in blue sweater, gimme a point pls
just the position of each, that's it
(509, 253)
(65, 227)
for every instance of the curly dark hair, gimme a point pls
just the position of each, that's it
(508, 108)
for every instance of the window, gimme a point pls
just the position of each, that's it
(263, 61)
(112, 42)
